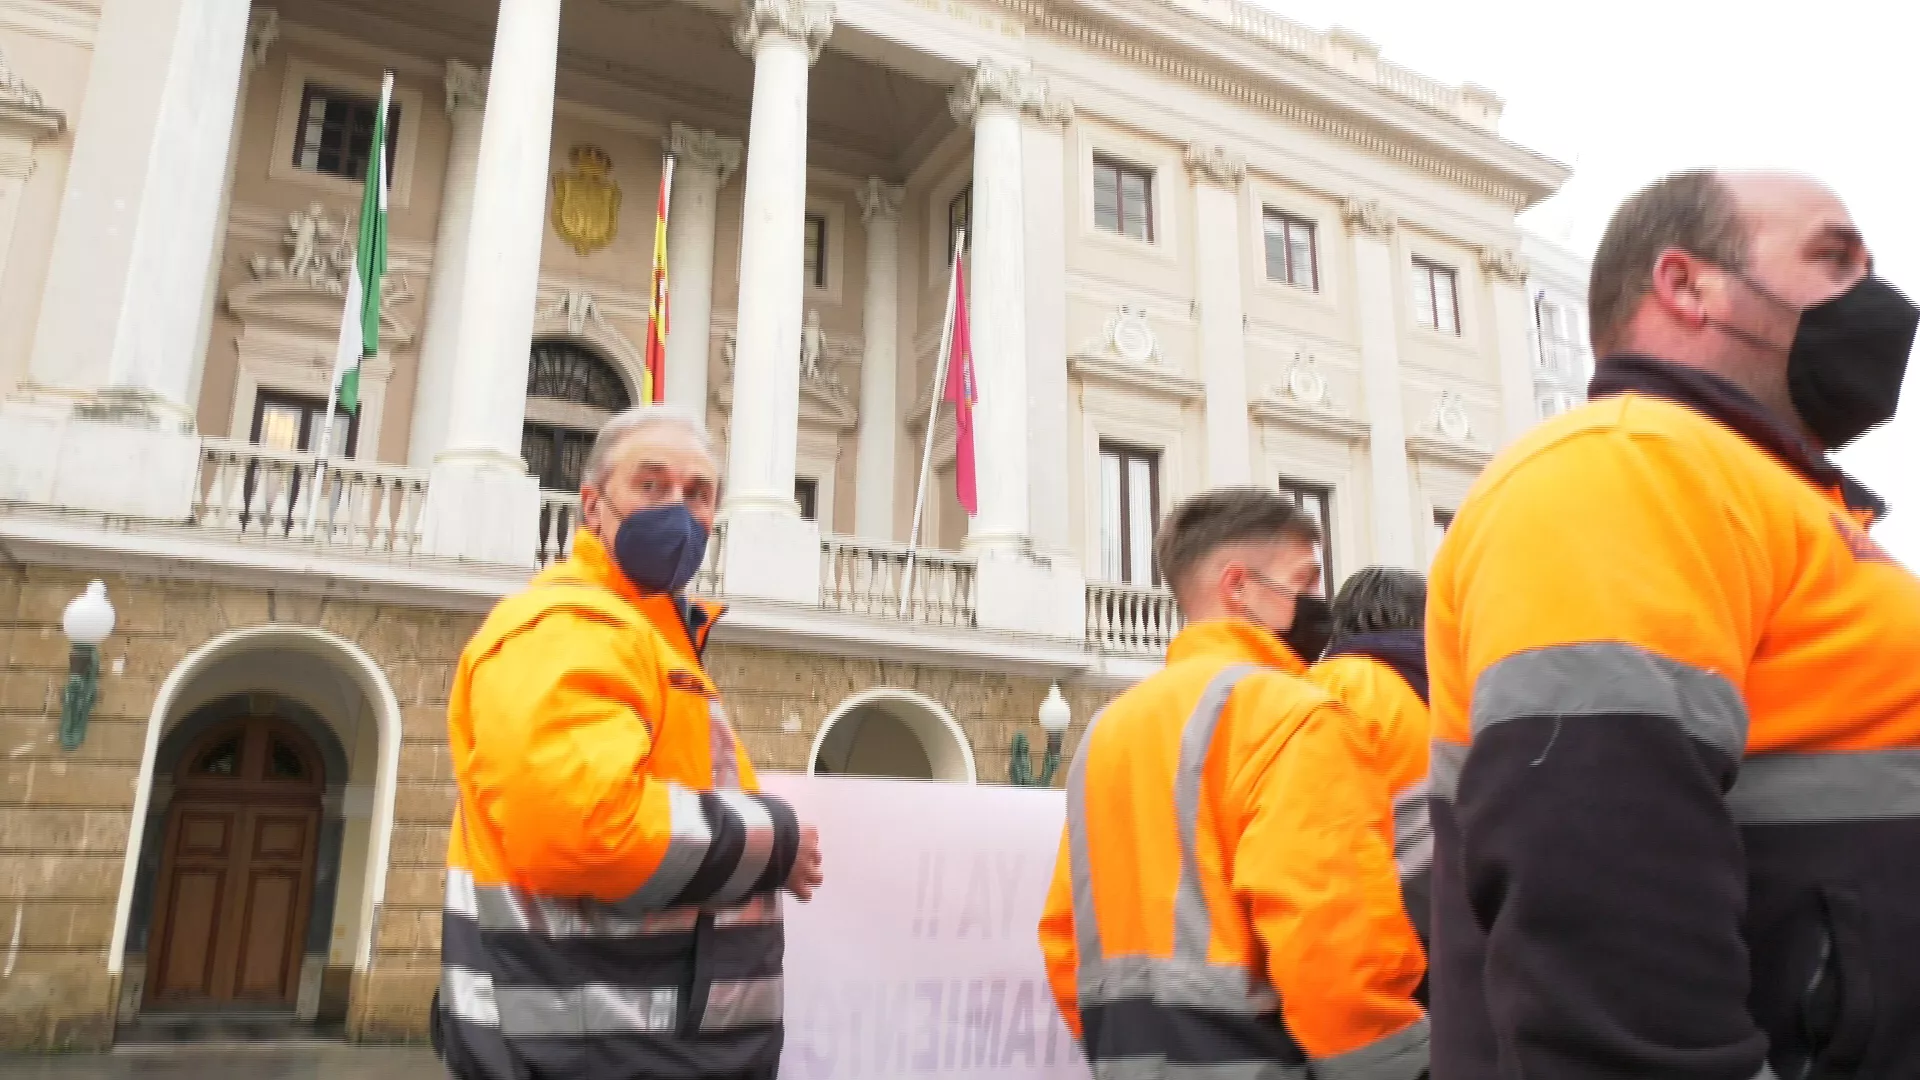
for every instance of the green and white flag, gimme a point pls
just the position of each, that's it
(360, 325)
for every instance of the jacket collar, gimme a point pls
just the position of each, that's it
(1238, 641)
(1734, 408)
(1405, 651)
(590, 563)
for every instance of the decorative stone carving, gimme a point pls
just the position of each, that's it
(1217, 164)
(807, 22)
(15, 91)
(707, 151)
(1504, 264)
(1449, 419)
(992, 83)
(586, 201)
(576, 307)
(263, 31)
(466, 87)
(318, 254)
(1127, 336)
(824, 397)
(1304, 384)
(1368, 216)
(812, 346)
(879, 200)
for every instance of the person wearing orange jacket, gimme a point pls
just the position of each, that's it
(1676, 757)
(612, 904)
(1225, 902)
(1376, 666)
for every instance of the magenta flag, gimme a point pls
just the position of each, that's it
(963, 392)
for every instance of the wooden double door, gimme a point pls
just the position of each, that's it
(236, 881)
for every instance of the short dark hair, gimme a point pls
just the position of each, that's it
(1213, 519)
(1379, 598)
(1693, 211)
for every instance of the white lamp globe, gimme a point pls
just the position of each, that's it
(1055, 715)
(89, 618)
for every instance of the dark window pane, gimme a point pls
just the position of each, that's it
(222, 760)
(960, 216)
(1317, 501)
(816, 251)
(285, 763)
(806, 492)
(336, 132)
(1106, 197)
(1129, 512)
(570, 372)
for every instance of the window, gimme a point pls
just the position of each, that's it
(222, 760)
(1554, 402)
(1443, 520)
(960, 216)
(1436, 298)
(816, 258)
(1558, 330)
(292, 424)
(1293, 251)
(806, 492)
(1123, 199)
(336, 132)
(570, 393)
(285, 763)
(1317, 501)
(1129, 507)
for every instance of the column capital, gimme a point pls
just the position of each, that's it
(263, 30)
(466, 87)
(1216, 164)
(704, 150)
(1503, 264)
(1370, 217)
(879, 200)
(24, 111)
(993, 84)
(805, 22)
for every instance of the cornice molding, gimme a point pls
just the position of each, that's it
(1151, 379)
(1282, 413)
(1217, 164)
(1369, 217)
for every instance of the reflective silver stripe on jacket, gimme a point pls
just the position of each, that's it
(1444, 762)
(691, 836)
(600, 1009)
(739, 1003)
(1609, 678)
(506, 908)
(1865, 785)
(1186, 978)
(758, 822)
(1399, 1056)
(1413, 830)
(1156, 1067)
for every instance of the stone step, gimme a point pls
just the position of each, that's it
(237, 1026)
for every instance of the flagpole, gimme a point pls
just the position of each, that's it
(377, 154)
(933, 415)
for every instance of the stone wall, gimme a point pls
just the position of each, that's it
(65, 817)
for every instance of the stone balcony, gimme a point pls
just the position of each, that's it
(254, 514)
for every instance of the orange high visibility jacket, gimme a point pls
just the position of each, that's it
(611, 908)
(1676, 702)
(1225, 897)
(1383, 698)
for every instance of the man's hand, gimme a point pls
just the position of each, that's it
(806, 875)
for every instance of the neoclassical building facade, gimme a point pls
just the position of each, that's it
(1207, 245)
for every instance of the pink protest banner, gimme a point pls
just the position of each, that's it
(918, 957)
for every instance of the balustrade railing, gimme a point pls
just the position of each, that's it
(706, 580)
(250, 490)
(1130, 621)
(559, 517)
(867, 578)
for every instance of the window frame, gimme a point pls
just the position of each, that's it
(1427, 273)
(806, 495)
(1127, 454)
(817, 276)
(316, 89)
(1122, 170)
(962, 201)
(313, 412)
(1301, 492)
(1288, 222)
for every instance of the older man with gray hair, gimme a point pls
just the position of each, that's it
(613, 875)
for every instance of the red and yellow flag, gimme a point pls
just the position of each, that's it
(653, 389)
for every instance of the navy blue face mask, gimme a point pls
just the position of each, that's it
(660, 548)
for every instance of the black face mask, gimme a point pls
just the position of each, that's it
(1312, 629)
(1848, 360)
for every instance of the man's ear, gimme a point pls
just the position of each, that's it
(1680, 288)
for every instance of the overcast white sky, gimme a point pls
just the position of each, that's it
(1628, 90)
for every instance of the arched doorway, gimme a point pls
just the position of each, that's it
(892, 733)
(572, 392)
(236, 878)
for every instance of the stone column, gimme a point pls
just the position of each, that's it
(1512, 319)
(25, 122)
(481, 504)
(873, 516)
(784, 38)
(1377, 272)
(1043, 158)
(1218, 285)
(263, 30)
(113, 363)
(702, 163)
(990, 99)
(439, 364)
